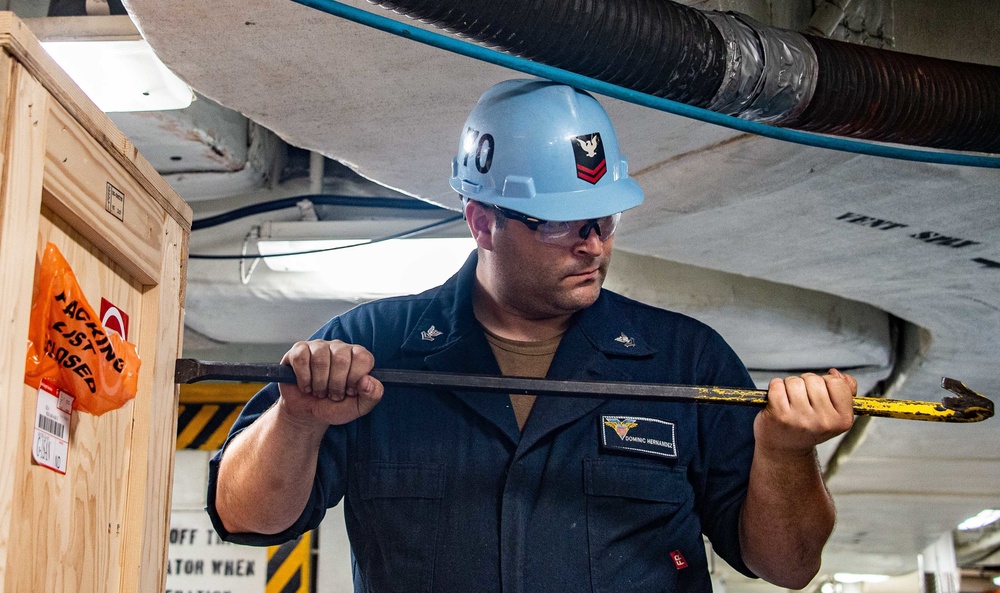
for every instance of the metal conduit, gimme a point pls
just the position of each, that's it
(730, 64)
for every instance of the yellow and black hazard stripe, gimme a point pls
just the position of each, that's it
(208, 410)
(290, 567)
(205, 426)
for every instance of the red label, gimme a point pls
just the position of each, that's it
(678, 559)
(114, 319)
(48, 387)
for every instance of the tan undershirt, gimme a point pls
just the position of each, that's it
(523, 359)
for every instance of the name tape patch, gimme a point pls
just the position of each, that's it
(643, 435)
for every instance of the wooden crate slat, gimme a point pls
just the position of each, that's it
(24, 102)
(155, 428)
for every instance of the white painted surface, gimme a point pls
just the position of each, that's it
(198, 560)
(190, 480)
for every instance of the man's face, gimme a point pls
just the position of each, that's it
(542, 280)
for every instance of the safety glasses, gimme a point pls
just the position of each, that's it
(565, 234)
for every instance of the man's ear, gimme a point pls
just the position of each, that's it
(481, 220)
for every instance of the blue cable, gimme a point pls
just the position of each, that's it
(603, 88)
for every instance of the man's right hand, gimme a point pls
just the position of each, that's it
(333, 385)
(266, 475)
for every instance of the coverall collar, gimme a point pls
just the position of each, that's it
(450, 339)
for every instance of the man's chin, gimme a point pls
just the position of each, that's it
(581, 297)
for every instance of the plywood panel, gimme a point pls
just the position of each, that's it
(69, 528)
(22, 105)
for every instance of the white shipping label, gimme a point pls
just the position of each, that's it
(50, 446)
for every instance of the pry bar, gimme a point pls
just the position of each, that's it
(965, 406)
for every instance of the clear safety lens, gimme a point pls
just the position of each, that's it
(569, 233)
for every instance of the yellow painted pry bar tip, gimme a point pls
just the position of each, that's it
(970, 405)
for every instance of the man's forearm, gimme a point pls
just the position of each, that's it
(786, 519)
(266, 474)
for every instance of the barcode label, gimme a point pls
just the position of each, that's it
(51, 426)
(50, 446)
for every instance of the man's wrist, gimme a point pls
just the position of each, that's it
(785, 455)
(306, 426)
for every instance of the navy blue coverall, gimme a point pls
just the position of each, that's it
(443, 493)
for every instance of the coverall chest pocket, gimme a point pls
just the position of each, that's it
(638, 515)
(402, 507)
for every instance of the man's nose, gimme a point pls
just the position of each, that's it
(591, 243)
(590, 225)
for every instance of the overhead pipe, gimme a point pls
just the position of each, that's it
(728, 63)
(317, 169)
(827, 17)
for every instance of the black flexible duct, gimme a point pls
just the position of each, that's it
(672, 51)
(652, 46)
(897, 97)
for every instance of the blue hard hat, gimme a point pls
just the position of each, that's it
(543, 149)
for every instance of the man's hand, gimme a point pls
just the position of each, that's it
(266, 476)
(333, 385)
(788, 514)
(804, 411)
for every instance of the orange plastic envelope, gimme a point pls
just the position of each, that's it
(68, 345)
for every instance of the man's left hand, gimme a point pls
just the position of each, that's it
(804, 411)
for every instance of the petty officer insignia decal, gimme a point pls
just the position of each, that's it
(590, 162)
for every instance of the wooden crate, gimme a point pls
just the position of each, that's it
(101, 527)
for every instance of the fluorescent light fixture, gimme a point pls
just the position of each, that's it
(851, 577)
(996, 581)
(983, 519)
(121, 75)
(366, 268)
(397, 266)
